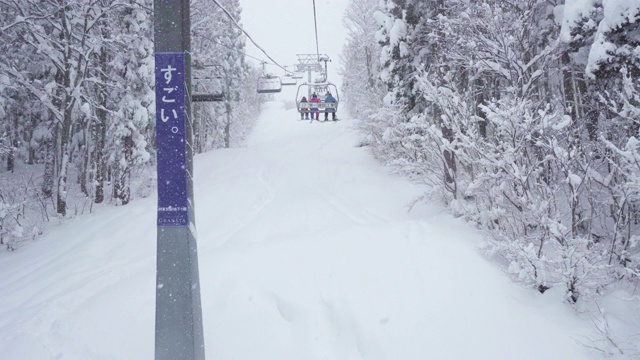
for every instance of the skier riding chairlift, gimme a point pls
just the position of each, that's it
(328, 99)
(304, 112)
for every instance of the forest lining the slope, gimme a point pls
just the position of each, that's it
(78, 104)
(522, 116)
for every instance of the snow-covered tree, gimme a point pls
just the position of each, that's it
(218, 51)
(360, 69)
(77, 97)
(525, 114)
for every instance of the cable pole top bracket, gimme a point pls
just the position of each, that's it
(309, 62)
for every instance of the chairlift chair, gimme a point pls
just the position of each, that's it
(320, 89)
(288, 80)
(204, 89)
(269, 84)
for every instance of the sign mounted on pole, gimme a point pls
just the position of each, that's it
(179, 330)
(171, 140)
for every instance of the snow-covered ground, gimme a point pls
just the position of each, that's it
(307, 250)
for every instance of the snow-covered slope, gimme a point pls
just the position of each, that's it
(307, 250)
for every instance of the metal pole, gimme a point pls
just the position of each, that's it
(309, 90)
(178, 332)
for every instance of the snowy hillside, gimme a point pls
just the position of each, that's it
(307, 250)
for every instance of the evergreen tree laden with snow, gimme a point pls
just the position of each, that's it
(525, 114)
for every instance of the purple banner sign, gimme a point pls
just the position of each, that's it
(171, 140)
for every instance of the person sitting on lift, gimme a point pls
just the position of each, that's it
(314, 110)
(304, 112)
(328, 99)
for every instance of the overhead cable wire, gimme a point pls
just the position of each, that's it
(248, 36)
(315, 22)
(245, 54)
(230, 47)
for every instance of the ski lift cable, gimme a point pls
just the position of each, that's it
(247, 55)
(231, 48)
(315, 22)
(246, 33)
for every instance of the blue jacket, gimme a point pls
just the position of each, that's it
(330, 99)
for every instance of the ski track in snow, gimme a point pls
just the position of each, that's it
(306, 251)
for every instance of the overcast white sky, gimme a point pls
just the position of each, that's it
(284, 28)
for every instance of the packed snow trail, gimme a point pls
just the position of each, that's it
(307, 250)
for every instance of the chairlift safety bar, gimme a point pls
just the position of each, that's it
(320, 106)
